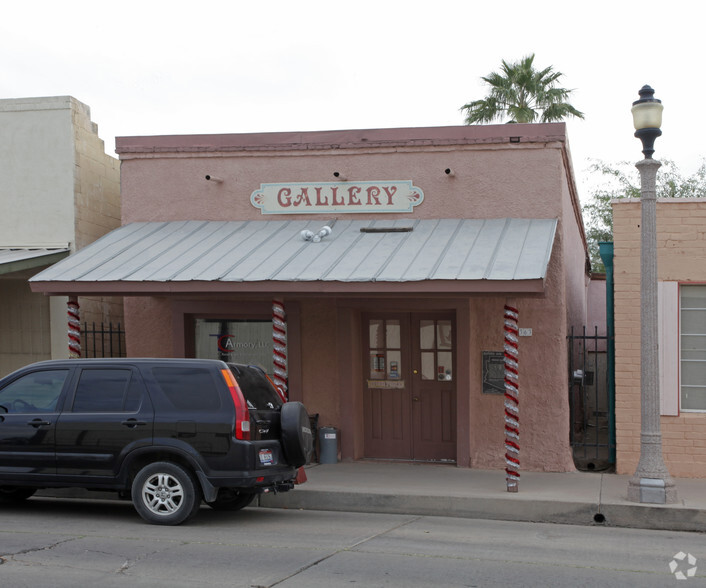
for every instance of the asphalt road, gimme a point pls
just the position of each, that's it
(69, 543)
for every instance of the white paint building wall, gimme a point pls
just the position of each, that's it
(58, 189)
(37, 166)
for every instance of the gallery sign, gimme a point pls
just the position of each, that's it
(327, 197)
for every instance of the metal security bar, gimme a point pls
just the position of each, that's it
(591, 411)
(105, 341)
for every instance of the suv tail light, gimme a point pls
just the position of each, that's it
(242, 414)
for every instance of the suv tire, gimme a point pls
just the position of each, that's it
(231, 500)
(297, 439)
(164, 493)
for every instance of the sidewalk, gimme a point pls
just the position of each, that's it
(579, 498)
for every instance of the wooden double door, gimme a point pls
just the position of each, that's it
(410, 386)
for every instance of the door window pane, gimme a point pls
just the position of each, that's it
(35, 392)
(101, 390)
(377, 334)
(385, 343)
(426, 334)
(436, 344)
(428, 371)
(445, 367)
(377, 364)
(394, 361)
(392, 330)
(443, 334)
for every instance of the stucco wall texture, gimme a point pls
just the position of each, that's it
(163, 178)
(681, 257)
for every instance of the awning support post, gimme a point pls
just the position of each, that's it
(512, 399)
(74, 324)
(279, 350)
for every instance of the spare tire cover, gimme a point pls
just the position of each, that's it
(297, 439)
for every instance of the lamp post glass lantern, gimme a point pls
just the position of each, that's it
(651, 482)
(647, 119)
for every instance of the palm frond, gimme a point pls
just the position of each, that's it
(520, 93)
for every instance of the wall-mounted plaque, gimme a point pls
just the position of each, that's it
(327, 197)
(386, 384)
(493, 372)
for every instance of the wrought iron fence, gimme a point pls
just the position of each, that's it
(590, 406)
(103, 341)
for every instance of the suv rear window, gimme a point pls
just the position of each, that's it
(258, 392)
(188, 388)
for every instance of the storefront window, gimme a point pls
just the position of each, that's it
(236, 341)
(693, 348)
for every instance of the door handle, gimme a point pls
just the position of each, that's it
(36, 423)
(415, 398)
(132, 423)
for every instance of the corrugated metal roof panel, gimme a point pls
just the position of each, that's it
(13, 259)
(253, 251)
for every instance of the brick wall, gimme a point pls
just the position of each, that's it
(681, 245)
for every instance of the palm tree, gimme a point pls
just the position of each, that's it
(523, 94)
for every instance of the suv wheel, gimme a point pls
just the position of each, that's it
(297, 439)
(229, 499)
(164, 493)
(15, 494)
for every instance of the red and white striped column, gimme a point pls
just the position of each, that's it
(279, 340)
(512, 399)
(74, 333)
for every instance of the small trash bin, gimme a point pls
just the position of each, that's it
(328, 445)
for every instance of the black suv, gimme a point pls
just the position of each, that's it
(167, 432)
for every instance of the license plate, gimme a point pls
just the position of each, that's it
(266, 457)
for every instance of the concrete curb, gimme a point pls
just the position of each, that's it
(441, 506)
(658, 518)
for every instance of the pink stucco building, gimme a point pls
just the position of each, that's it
(394, 318)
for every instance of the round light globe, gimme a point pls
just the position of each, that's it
(647, 111)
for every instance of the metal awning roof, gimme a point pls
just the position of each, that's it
(17, 259)
(359, 255)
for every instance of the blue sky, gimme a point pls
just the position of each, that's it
(155, 67)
